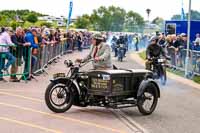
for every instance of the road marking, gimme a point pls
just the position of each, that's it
(64, 118)
(10, 90)
(23, 97)
(132, 122)
(40, 101)
(124, 121)
(29, 125)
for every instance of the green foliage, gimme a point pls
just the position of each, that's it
(158, 21)
(134, 21)
(176, 17)
(32, 18)
(8, 17)
(27, 24)
(43, 23)
(14, 25)
(195, 15)
(110, 19)
(142, 55)
(196, 79)
(83, 22)
(49, 25)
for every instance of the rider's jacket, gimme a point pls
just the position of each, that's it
(154, 50)
(121, 41)
(103, 53)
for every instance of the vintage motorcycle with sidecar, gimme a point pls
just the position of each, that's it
(117, 88)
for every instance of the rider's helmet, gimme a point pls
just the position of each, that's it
(98, 36)
(154, 38)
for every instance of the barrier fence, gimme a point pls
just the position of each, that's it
(15, 61)
(21, 61)
(178, 60)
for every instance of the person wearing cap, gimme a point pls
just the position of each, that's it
(100, 53)
(153, 50)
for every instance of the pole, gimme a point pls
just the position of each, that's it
(188, 40)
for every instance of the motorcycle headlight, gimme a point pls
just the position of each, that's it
(68, 63)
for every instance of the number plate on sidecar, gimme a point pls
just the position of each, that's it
(59, 75)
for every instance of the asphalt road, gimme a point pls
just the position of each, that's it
(178, 110)
(23, 109)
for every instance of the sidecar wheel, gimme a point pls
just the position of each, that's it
(147, 102)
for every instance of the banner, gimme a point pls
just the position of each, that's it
(70, 13)
(182, 12)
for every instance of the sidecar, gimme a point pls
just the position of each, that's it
(123, 88)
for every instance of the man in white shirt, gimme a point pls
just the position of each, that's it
(5, 42)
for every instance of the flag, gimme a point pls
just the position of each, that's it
(70, 12)
(182, 14)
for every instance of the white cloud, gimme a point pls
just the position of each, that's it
(162, 8)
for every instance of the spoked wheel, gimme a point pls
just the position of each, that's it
(58, 97)
(147, 102)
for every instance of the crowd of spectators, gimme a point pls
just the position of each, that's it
(21, 47)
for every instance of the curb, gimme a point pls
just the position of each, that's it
(182, 80)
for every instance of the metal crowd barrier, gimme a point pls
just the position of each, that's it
(48, 54)
(23, 61)
(178, 60)
(15, 61)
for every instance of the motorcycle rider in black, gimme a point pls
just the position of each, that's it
(153, 50)
(121, 41)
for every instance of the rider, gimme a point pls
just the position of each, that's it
(114, 45)
(153, 50)
(99, 52)
(121, 41)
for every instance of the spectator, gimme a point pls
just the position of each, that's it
(29, 38)
(161, 40)
(18, 40)
(136, 43)
(197, 40)
(79, 41)
(5, 41)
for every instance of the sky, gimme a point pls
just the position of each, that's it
(162, 8)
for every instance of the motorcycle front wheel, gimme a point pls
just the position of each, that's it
(58, 97)
(163, 76)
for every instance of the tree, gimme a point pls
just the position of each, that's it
(176, 17)
(134, 21)
(83, 22)
(32, 18)
(4, 21)
(106, 19)
(43, 23)
(158, 21)
(195, 15)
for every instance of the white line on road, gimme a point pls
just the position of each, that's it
(130, 123)
(29, 125)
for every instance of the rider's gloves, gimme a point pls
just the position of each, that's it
(79, 60)
(96, 59)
